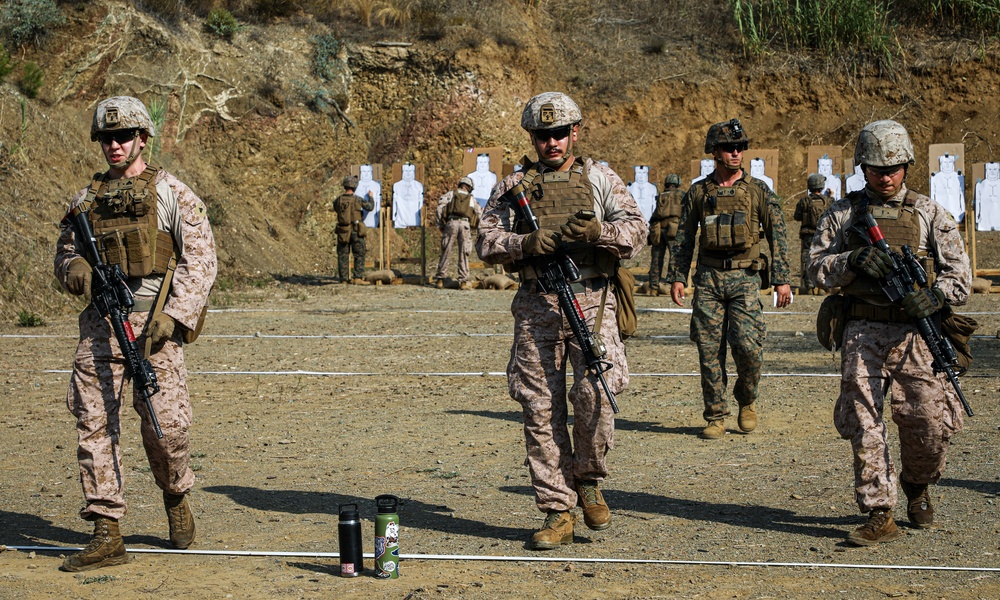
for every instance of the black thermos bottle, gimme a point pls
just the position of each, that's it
(352, 561)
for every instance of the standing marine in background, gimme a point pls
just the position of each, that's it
(351, 231)
(882, 352)
(808, 211)
(730, 208)
(150, 224)
(458, 212)
(663, 228)
(584, 209)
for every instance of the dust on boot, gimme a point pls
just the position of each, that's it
(180, 519)
(596, 514)
(106, 549)
(715, 430)
(918, 504)
(879, 528)
(557, 530)
(747, 419)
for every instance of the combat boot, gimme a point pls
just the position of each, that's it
(747, 419)
(180, 519)
(106, 549)
(596, 514)
(439, 284)
(465, 285)
(879, 528)
(918, 504)
(557, 530)
(715, 430)
(359, 281)
(653, 289)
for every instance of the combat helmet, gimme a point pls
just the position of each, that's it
(118, 113)
(550, 110)
(350, 182)
(815, 182)
(467, 181)
(672, 179)
(884, 144)
(726, 132)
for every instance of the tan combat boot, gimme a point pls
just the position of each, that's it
(359, 281)
(918, 504)
(747, 419)
(180, 519)
(439, 284)
(465, 285)
(557, 530)
(106, 549)
(715, 430)
(596, 514)
(879, 528)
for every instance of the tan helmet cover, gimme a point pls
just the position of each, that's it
(816, 182)
(121, 112)
(467, 181)
(726, 132)
(550, 110)
(884, 144)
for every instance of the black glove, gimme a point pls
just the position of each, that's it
(870, 261)
(543, 241)
(923, 303)
(78, 276)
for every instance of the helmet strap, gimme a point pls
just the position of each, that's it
(133, 154)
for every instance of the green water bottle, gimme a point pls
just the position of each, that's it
(386, 537)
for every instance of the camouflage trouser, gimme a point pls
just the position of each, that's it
(543, 349)
(727, 308)
(657, 255)
(344, 250)
(96, 391)
(455, 230)
(877, 357)
(807, 283)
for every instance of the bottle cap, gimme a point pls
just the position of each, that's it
(386, 503)
(349, 515)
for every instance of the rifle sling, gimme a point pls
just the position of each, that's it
(161, 299)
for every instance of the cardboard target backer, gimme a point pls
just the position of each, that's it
(770, 158)
(834, 153)
(936, 151)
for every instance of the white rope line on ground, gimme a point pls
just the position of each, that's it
(430, 373)
(686, 311)
(386, 336)
(561, 559)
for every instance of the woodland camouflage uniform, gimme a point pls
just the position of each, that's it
(663, 225)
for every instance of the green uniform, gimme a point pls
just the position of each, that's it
(726, 305)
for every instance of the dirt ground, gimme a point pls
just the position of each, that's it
(310, 396)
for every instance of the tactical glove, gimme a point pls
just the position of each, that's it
(870, 261)
(655, 236)
(160, 329)
(543, 241)
(582, 227)
(78, 277)
(923, 303)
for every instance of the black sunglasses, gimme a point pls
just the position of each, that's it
(554, 134)
(121, 136)
(740, 147)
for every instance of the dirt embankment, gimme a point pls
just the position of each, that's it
(239, 126)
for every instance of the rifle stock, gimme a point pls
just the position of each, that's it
(113, 299)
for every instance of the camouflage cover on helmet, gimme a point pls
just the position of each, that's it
(121, 112)
(467, 181)
(550, 110)
(816, 182)
(726, 132)
(884, 144)
(672, 179)
(351, 181)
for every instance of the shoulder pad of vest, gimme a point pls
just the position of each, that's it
(910, 198)
(759, 183)
(856, 197)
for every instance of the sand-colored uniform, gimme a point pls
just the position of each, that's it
(878, 356)
(456, 230)
(97, 385)
(726, 305)
(544, 346)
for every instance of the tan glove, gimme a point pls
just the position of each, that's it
(78, 277)
(161, 328)
(582, 227)
(543, 241)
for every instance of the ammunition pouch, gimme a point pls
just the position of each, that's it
(190, 335)
(670, 231)
(625, 312)
(959, 329)
(343, 234)
(830, 321)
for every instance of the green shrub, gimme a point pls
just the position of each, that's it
(26, 318)
(6, 65)
(325, 64)
(222, 23)
(158, 115)
(24, 21)
(31, 79)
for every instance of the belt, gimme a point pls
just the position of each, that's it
(726, 264)
(577, 287)
(885, 314)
